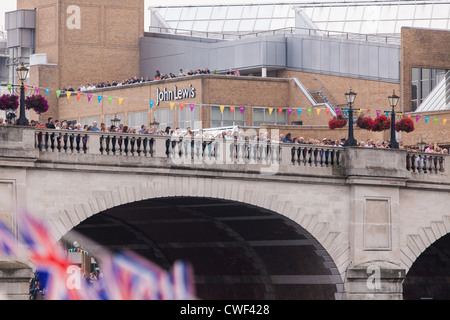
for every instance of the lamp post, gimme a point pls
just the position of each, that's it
(115, 121)
(393, 100)
(350, 96)
(22, 73)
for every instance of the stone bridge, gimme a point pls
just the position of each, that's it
(368, 213)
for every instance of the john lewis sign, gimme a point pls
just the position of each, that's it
(175, 94)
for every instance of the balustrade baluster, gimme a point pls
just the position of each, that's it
(293, 152)
(144, 146)
(65, 140)
(71, 141)
(132, 143)
(151, 145)
(139, 142)
(126, 140)
(84, 141)
(39, 140)
(120, 144)
(113, 144)
(52, 141)
(101, 139)
(47, 136)
(78, 140)
(107, 144)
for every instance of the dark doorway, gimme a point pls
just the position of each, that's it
(237, 251)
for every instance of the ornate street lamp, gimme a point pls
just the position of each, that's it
(421, 145)
(393, 101)
(22, 73)
(115, 121)
(350, 96)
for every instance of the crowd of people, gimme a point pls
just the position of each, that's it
(158, 76)
(225, 134)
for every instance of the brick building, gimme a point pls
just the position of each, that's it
(83, 42)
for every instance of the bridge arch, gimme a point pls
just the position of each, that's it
(207, 188)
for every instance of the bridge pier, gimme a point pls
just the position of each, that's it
(372, 282)
(14, 280)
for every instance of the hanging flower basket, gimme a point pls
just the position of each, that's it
(9, 102)
(406, 125)
(381, 123)
(37, 103)
(337, 122)
(364, 122)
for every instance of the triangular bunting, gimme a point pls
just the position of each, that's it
(289, 111)
(151, 102)
(444, 121)
(242, 109)
(232, 109)
(309, 111)
(280, 110)
(89, 97)
(110, 99)
(171, 105)
(100, 98)
(120, 101)
(417, 118)
(318, 111)
(58, 93)
(182, 106)
(270, 110)
(36, 89)
(426, 119)
(47, 90)
(378, 113)
(79, 96)
(299, 110)
(192, 106)
(68, 95)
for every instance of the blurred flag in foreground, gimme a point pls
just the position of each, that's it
(126, 276)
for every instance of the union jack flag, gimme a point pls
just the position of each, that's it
(131, 277)
(51, 259)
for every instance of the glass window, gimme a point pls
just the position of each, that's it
(262, 24)
(226, 119)
(441, 11)
(90, 121)
(247, 25)
(439, 24)
(278, 24)
(188, 118)
(265, 11)
(234, 12)
(423, 11)
(231, 26)
(421, 23)
(185, 25)
(219, 12)
(355, 13)
(338, 14)
(321, 14)
(173, 14)
(164, 117)
(188, 13)
(200, 26)
(262, 115)
(216, 26)
(204, 13)
(406, 12)
(389, 12)
(137, 119)
(250, 12)
(372, 13)
(281, 11)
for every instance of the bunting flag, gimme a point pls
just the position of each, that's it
(270, 110)
(280, 110)
(192, 107)
(79, 96)
(151, 103)
(242, 109)
(417, 118)
(289, 111)
(435, 120)
(126, 275)
(444, 121)
(36, 89)
(378, 113)
(26, 88)
(47, 90)
(299, 110)
(221, 109)
(110, 99)
(9, 86)
(89, 96)
(318, 111)
(368, 110)
(182, 106)
(58, 93)
(426, 119)
(171, 105)
(120, 101)
(309, 111)
(68, 95)
(387, 113)
(327, 111)
(409, 116)
(231, 109)
(346, 112)
(99, 98)
(337, 110)
(359, 112)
